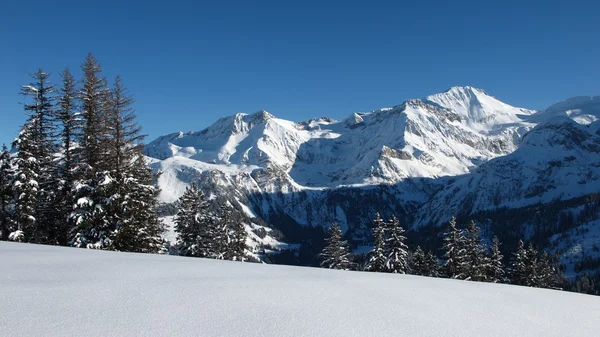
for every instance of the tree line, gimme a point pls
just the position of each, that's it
(78, 176)
(465, 257)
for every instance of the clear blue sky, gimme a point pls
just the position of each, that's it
(190, 62)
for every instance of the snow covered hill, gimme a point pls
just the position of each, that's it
(56, 291)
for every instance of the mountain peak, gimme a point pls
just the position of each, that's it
(262, 114)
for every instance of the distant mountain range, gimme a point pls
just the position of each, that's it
(458, 153)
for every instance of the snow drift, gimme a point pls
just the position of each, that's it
(55, 291)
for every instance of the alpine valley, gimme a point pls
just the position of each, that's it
(518, 173)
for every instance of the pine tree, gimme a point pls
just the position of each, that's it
(418, 263)
(131, 199)
(194, 224)
(377, 257)
(396, 248)
(477, 261)
(222, 234)
(547, 273)
(139, 229)
(238, 242)
(455, 265)
(69, 170)
(25, 185)
(519, 266)
(92, 192)
(495, 272)
(93, 96)
(6, 193)
(431, 265)
(43, 133)
(336, 254)
(531, 266)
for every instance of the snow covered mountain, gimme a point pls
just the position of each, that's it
(558, 160)
(460, 152)
(443, 134)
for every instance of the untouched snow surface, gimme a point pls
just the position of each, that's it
(54, 291)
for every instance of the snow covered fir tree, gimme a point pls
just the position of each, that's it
(80, 174)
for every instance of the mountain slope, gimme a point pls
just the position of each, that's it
(558, 160)
(154, 295)
(430, 137)
(521, 173)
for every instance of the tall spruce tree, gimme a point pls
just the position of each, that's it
(432, 266)
(520, 268)
(477, 261)
(396, 248)
(336, 253)
(238, 242)
(377, 257)
(455, 265)
(6, 193)
(69, 168)
(139, 229)
(131, 206)
(25, 185)
(92, 227)
(42, 112)
(418, 263)
(93, 96)
(496, 266)
(194, 224)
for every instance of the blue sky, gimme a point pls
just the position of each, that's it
(188, 63)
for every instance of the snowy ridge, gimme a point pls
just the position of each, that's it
(557, 160)
(431, 137)
(458, 152)
(154, 295)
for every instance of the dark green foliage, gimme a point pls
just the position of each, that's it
(25, 185)
(495, 272)
(396, 248)
(238, 242)
(195, 224)
(455, 264)
(477, 262)
(377, 258)
(530, 269)
(7, 175)
(336, 254)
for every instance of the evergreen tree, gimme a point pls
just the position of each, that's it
(496, 266)
(43, 132)
(418, 263)
(477, 261)
(68, 169)
(25, 184)
(520, 266)
(238, 242)
(92, 193)
(455, 265)
(222, 234)
(139, 229)
(431, 265)
(377, 258)
(548, 275)
(93, 96)
(131, 206)
(396, 248)
(194, 224)
(336, 254)
(6, 193)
